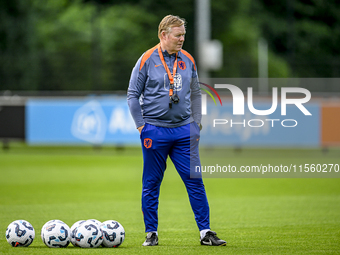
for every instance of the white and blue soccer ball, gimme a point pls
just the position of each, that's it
(88, 235)
(74, 230)
(20, 233)
(113, 233)
(56, 234)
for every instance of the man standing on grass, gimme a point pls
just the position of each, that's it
(165, 102)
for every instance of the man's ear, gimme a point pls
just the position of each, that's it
(164, 35)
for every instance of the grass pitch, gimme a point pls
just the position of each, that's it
(255, 216)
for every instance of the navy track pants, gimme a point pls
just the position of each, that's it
(181, 144)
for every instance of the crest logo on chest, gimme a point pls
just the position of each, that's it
(181, 65)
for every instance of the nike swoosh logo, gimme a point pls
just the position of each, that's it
(158, 65)
(207, 243)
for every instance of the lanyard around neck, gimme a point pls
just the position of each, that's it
(171, 76)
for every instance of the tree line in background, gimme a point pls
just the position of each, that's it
(94, 44)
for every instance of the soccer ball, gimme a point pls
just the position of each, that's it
(88, 235)
(74, 230)
(55, 234)
(113, 232)
(20, 233)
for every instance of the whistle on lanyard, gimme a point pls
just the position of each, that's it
(174, 98)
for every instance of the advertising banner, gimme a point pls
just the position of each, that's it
(80, 121)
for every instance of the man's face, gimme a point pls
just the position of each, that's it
(175, 39)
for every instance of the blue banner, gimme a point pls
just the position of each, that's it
(83, 121)
(108, 121)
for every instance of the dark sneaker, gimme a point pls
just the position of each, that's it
(151, 239)
(210, 238)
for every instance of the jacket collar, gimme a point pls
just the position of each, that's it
(179, 55)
